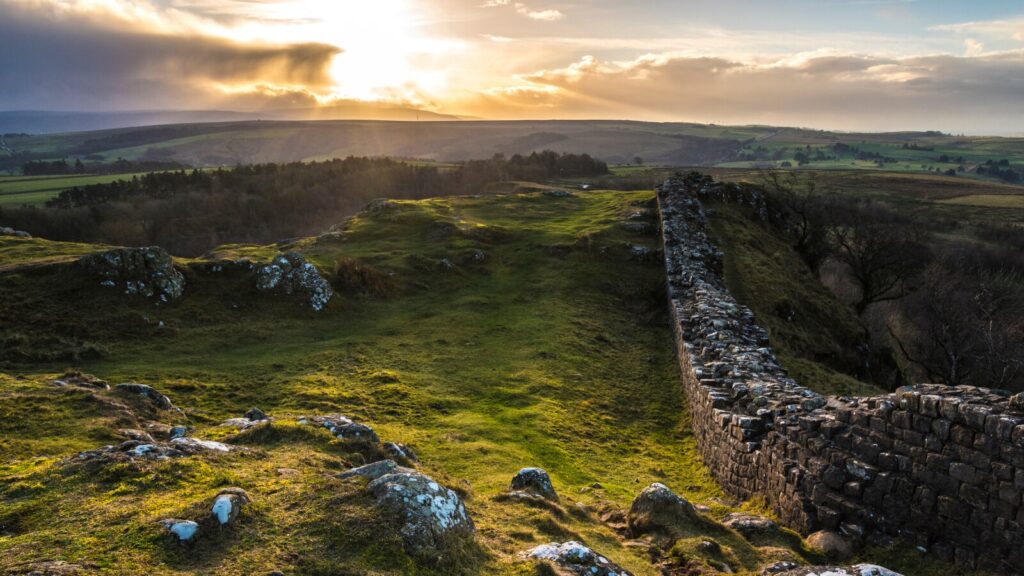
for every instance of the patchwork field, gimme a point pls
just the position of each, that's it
(19, 190)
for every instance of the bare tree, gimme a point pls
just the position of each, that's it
(882, 256)
(805, 207)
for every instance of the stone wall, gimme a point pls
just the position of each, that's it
(941, 467)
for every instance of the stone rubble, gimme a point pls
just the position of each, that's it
(146, 391)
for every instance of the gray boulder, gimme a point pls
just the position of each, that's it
(534, 481)
(146, 391)
(148, 272)
(658, 509)
(431, 516)
(290, 273)
(228, 504)
(831, 543)
(576, 559)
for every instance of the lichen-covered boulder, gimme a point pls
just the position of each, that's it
(228, 504)
(290, 273)
(576, 559)
(343, 427)
(534, 481)
(184, 530)
(658, 508)
(145, 390)
(149, 271)
(431, 516)
(253, 417)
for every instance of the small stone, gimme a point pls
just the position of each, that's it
(831, 543)
(748, 524)
(535, 481)
(255, 414)
(159, 400)
(185, 530)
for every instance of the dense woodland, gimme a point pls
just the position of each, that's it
(191, 211)
(939, 307)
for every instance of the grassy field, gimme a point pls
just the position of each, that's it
(19, 190)
(552, 351)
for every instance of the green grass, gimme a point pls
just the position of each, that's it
(18, 190)
(555, 352)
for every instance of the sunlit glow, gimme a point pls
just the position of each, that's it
(385, 55)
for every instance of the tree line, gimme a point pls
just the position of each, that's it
(191, 211)
(945, 310)
(119, 166)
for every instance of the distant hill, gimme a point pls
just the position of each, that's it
(52, 122)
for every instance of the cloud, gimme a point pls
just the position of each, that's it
(547, 15)
(843, 91)
(56, 56)
(1007, 28)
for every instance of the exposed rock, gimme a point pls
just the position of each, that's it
(139, 450)
(400, 452)
(576, 559)
(430, 515)
(342, 427)
(147, 271)
(855, 570)
(831, 543)
(145, 390)
(253, 417)
(255, 414)
(135, 434)
(779, 567)
(375, 470)
(657, 508)
(1017, 402)
(558, 193)
(642, 253)
(535, 481)
(748, 524)
(184, 530)
(228, 504)
(290, 273)
(8, 231)
(81, 380)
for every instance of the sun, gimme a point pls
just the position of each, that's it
(384, 50)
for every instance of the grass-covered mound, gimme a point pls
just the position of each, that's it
(488, 333)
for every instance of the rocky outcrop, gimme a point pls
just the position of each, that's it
(78, 379)
(942, 467)
(431, 517)
(290, 273)
(855, 570)
(576, 559)
(148, 272)
(139, 450)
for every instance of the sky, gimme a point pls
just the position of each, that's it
(950, 65)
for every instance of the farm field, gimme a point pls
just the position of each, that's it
(19, 190)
